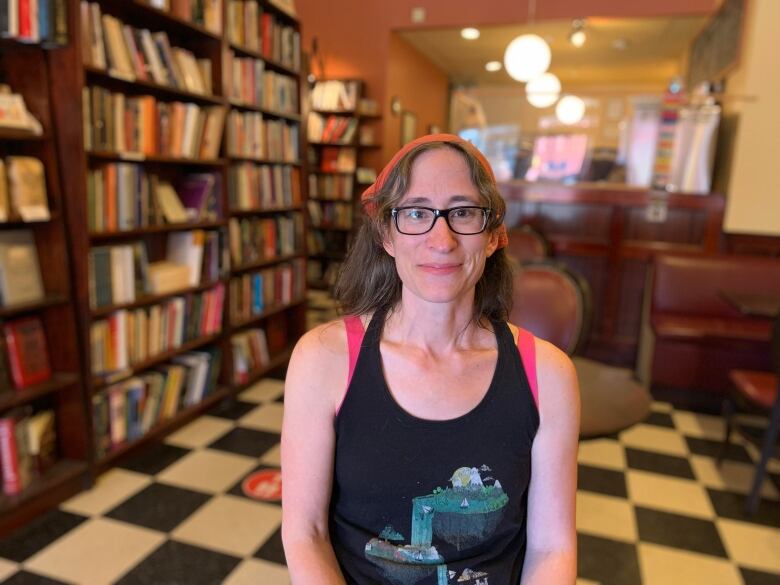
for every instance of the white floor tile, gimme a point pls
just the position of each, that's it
(670, 494)
(733, 476)
(266, 390)
(602, 453)
(606, 516)
(7, 568)
(267, 417)
(207, 470)
(660, 565)
(230, 524)
(255, 571)
(750, 545)
(96, 552)
(703, 426)
(111, 489)
(654, 438)
(200, 432)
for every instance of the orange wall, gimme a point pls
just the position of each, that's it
(355, 36)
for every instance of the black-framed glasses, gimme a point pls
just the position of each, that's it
(415, 221)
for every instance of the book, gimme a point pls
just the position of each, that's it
(41, 441)
(195, 192)
(166, 277)
(14, 451)
(27, 188)
(5, 209)
(20, 275)
(169, 203)
(28, 355)
(187, 248)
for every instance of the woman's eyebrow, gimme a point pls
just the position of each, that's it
(422, 200)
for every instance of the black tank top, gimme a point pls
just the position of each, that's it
(427, 502)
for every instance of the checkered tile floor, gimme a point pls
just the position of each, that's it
(652, 508)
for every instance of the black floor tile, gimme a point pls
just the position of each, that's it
(237, 490)
(25, 578)
(176, 563)
(677, 531)
(711, 448)
(159, 507)
(732, 506)
(660, 419)
(38, 534)
(602, 481)
(752, 577)
(249, 442)
(232, 409)
(659, 463)
(606, 561)
(272, 550)
(154, 458)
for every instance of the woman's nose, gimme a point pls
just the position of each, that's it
(441, 236)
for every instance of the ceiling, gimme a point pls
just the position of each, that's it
(654, 50)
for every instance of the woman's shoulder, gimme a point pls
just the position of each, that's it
(554, 368)
(327, 340)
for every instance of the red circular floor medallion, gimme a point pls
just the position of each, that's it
(264, 485)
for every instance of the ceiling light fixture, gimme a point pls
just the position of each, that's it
(570, 110)
(493, 66)
(577, 36)
(543, 91)
(526, 57)
(470, 34)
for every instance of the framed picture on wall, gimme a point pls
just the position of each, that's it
(408, 127)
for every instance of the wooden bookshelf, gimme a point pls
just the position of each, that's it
(284, 324)
(23, 66)
(331, 237)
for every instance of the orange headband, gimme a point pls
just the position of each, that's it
(370, 206)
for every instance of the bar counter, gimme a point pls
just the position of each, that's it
(608, 234)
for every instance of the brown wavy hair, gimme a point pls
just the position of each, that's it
(368, 281)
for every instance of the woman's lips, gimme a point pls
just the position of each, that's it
(439, 269)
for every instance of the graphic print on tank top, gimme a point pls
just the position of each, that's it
(463, 515)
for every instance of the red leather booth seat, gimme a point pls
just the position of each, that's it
(699, 336)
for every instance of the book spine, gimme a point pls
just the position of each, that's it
(10, 464)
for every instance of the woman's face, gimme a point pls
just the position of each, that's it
(440, 266)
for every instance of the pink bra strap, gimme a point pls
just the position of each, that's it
(527, 346)
(355, 333)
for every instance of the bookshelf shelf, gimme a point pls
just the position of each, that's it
(155, 229)
(376, 145)
(251, 212)
(318, 172)
(264, 263)
(255, 319)
(161, 159)
(269, 63)
(333, 228)
(155, 299)
(51, 300)
(59, 381)
(167, 19)
(21, 135)
(370, 116)
(327, 255)
(100, 381)
(109, 78)
(332, 200)
(179, 419)
(64, 471)
(347, 144)
(350, 113)
(266, 112)
(261, 160)
(18, 224)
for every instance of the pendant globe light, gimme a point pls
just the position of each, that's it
(526, 57)
(570, 110)
(543, 91)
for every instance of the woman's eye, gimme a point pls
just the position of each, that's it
(463, 213)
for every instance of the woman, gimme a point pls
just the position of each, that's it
(419, 445)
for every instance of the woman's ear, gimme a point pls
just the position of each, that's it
(492, 244)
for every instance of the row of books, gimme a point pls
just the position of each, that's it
(28, 447)
(253, 293)
(34, 21)
(20, 272)
(250, 354)
(124, 196)
(205, 13)
(260, 239)
(249, 135)
(143, 125)
(331, 129)
(336, 187)
(333, 159)
(250, 84)
(23, 189)
(133, 53)
(126, 411)
(24, 355)
(335, 96)
(322, 272)
(122, 273)
(128, 337)
(263, 187)
(330, 214)
(249, 27)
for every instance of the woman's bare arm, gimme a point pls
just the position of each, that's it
(316, 380)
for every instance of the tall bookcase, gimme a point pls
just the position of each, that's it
(255, 227)
(23, 67)
(336, 156)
